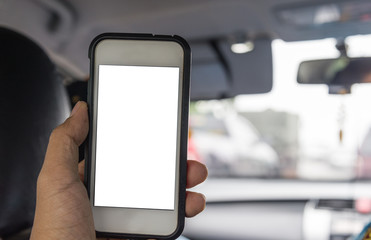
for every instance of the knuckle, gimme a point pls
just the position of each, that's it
(42, 180)
(57, 131)
(59, 134)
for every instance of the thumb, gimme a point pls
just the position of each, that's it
(61, 157)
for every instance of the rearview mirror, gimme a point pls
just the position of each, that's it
(339, 74)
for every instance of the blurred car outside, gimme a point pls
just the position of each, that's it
(364, 158)
(231, 146)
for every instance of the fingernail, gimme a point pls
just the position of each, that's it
(74, 110)
(203, 196)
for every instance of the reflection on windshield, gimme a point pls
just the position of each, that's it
(295, 131)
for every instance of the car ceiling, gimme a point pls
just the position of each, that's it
(65, 27)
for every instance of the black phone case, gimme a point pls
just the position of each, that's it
(184, 125)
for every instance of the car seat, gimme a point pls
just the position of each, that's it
(33, 101)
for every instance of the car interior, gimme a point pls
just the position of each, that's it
(278, 109)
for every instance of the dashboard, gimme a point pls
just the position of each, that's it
(280, 210)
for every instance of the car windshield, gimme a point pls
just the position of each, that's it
(296, 131)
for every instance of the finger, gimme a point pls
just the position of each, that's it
(116, 239)
(196, 173)
(81, 168)
(110, 239)
(62, 152)
(195, 203)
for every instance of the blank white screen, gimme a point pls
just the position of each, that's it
(136, 137)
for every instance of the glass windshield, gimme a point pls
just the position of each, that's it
(297, 131)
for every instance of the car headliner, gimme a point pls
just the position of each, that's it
(65, 27)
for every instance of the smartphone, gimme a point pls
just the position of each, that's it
(138, 98)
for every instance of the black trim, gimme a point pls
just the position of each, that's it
(215, 46)
(183, 132)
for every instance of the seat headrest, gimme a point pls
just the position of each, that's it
(33, 101)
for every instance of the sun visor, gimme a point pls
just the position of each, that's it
(218, 72)
(209, 80)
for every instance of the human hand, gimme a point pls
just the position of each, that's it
(62, 207)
